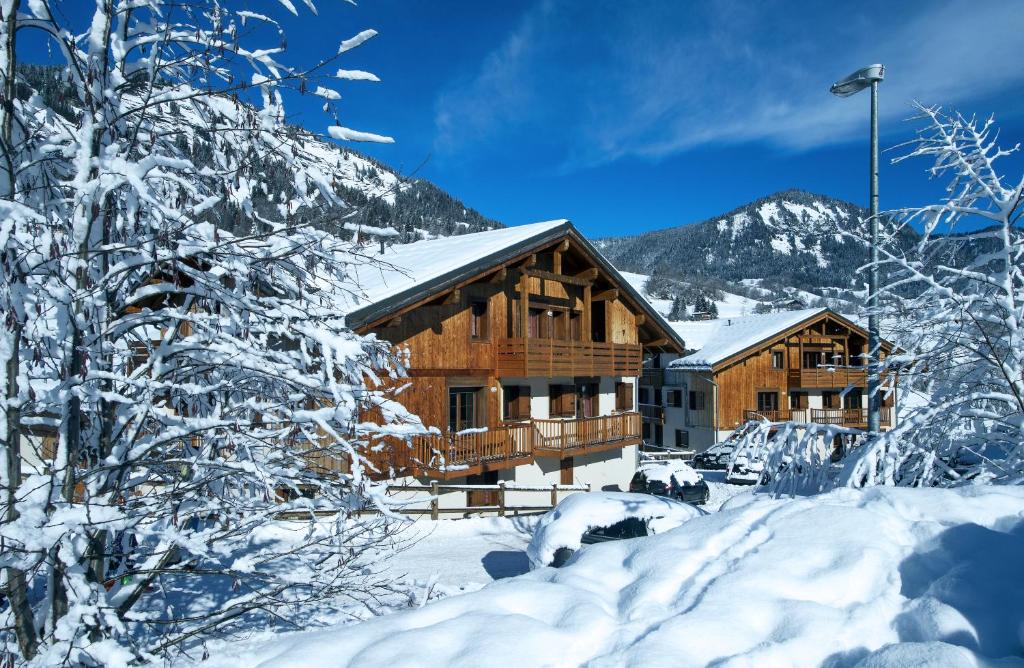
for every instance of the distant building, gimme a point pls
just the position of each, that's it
(804, 366)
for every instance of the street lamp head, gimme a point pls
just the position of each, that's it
(858, 81)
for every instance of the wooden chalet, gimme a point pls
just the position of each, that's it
(805, 365)
(524, 348)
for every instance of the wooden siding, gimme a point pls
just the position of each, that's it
(550, 358)
(742, 378)
(560, 284)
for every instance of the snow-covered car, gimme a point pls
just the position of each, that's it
(714, 458)
(672, 478)
(745, 470)
(593, 517)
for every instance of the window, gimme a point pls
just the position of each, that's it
(696, 400)
(682, 438)
(798, 400)
(830, 399)
(462, 409)
(645, 431)
(657, 396)
(643, 395)
(675, 398)
(536, 329)
(853, 399)
(624, 396)
(767, 401)
(813, 358)
(478, 319)
(561, 401)
(517, 402)
(778, 360)
(586, 399)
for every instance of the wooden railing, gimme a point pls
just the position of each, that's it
(509, 445)
(840, 417)
(784, 415)
(849, 417)
(652, 412)
(566, 437)
(831, 377)
(551, 357)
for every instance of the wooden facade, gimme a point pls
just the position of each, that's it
(552, 313)
(800, 374)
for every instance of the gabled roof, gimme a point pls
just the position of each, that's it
(725, 338)
(406, 274)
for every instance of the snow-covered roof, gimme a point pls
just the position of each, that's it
(423, 266)
(405, 273)
(721, 339)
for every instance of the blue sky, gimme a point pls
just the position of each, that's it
(628, 116)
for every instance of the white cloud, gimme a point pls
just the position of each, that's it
(613, 81)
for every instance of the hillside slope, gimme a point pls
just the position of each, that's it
(376, 194)
(789, 238)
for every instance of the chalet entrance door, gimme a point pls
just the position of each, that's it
(483, 497)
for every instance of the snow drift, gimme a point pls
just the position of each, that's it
(876, 577)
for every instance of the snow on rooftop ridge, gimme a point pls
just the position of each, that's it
(725, 337)
(405, 266)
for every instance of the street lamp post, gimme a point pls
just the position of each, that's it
(867, 77)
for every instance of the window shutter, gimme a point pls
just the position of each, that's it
(524, 402)
(627, 396)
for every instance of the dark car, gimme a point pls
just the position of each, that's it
(675, 480)
(631, 527)
(714, 458)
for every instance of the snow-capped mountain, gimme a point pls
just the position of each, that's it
(377, 194)
(789, 238)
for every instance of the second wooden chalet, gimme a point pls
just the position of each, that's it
(804, 365)
(525, 346)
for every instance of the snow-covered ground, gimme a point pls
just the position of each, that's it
(732, 306)
(880, 577)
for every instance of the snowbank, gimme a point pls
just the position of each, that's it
(835, 579)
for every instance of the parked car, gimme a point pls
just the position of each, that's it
(672, 478)
(746, 470)
(714, 458)
(586, 518)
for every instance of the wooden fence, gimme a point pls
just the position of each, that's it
(434, 510)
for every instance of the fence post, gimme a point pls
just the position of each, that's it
(554, 494)
(434, 505)
(501, 498)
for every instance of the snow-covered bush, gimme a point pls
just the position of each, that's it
(196, 383)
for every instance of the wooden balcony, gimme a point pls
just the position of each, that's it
(473, 451)
(552, 357)
(653, 377)
(652, 413)
(828, 377)
(840, 417)
(565, 438)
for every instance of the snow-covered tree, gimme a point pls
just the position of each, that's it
(955, 309)
(198, 383)
(953, 306)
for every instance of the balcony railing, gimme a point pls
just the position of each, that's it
(840, 417)
(567, 437)
(516, 443)
(473, 450)
(830, 377)
(551, 357)
(652, 413)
